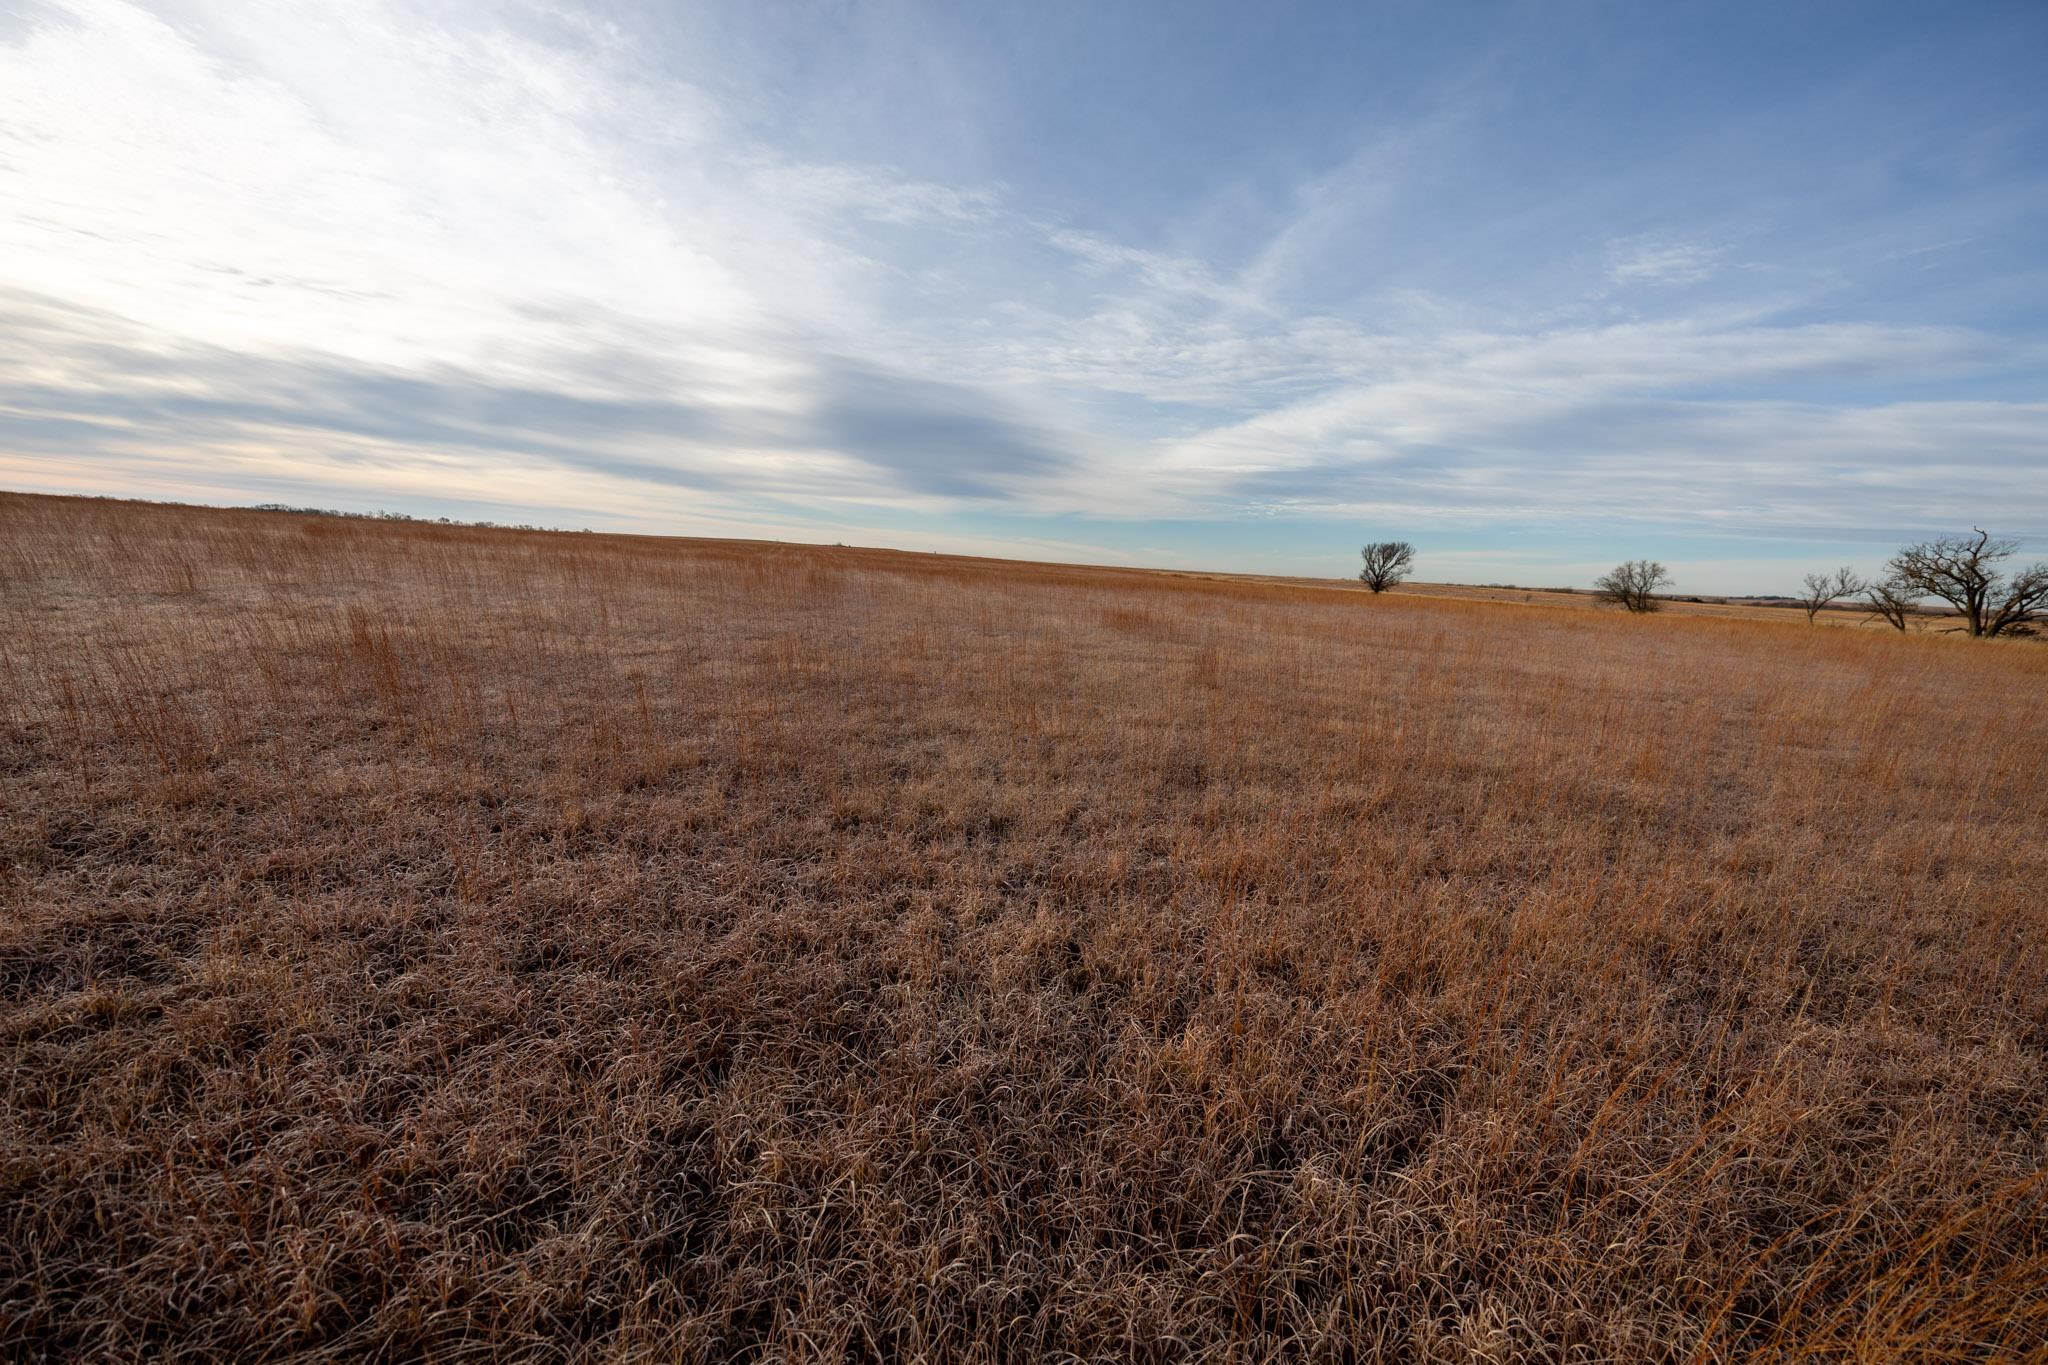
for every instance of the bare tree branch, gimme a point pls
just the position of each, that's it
(1633, 585)
(1889, 600)
(1387, 562)
(1824, 589)
(1964, 572)
(2025, 599)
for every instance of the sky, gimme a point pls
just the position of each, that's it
(1751, 289)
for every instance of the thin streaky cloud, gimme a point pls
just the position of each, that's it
(1640, 261)
(621, 265)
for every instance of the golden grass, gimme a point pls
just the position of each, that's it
(1850, 611)
(431, 941)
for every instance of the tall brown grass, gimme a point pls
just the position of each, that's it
(422, 941)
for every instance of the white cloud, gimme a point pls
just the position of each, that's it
(1651, 260)
(348, 184)
(450, 249)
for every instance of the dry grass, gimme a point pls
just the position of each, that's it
(423, 940)
(1931, 618)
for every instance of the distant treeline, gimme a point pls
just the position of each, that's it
(381, 515)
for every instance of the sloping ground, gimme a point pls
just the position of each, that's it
(418, 940)
(1930, 618)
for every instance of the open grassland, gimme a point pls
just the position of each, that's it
(421, 940)
(1930, 617)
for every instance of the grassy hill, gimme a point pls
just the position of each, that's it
(419, 939)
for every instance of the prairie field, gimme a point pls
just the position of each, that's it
(434, 942)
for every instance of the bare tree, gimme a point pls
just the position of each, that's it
(1964, 572)
(1633, 585)
(1825, 589)
(1890, 601)
(1387, 562)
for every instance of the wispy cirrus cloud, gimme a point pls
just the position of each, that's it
(1651, 260)
(543, 254)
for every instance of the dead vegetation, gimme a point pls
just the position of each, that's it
(433, 941)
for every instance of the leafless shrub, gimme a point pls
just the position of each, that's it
(1890, 600)
(1822, 590)
(1387, 562)
(1633, 585)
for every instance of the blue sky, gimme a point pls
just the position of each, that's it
(1752, 289)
